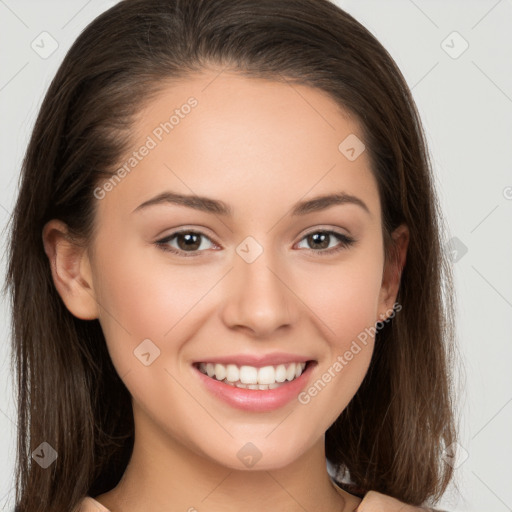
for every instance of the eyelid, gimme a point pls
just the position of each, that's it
(162, 242)
(325, 228)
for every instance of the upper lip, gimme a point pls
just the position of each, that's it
(257, 360)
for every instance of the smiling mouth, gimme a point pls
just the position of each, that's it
(251, 377)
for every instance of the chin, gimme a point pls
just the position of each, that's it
(257, 455)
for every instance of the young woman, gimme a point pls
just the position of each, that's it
(226, 270)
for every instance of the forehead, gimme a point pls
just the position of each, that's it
(244, 140)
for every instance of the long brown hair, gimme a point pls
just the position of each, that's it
(391, 435)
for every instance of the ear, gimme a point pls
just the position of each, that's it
(71, 270)
(393, 271)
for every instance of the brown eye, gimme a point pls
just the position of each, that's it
(187, 242)
(319, 241)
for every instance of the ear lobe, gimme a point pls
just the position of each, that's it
(393, 271)
(71, 270)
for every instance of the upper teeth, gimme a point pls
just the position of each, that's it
(251, 374)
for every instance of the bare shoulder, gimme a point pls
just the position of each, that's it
(89, 504)
(375, 501)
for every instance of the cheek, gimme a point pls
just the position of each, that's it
(137, 303)
(346, 301)
(346, 297)
(348, 313)
(145, 297)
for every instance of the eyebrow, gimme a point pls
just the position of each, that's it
(218, 207)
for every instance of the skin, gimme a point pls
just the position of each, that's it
(260, 146)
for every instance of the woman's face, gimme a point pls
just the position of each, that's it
(253, 281)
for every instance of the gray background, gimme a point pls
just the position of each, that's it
(465, 100)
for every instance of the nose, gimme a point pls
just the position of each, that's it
(258, 297)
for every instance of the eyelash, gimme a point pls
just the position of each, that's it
(346, 242)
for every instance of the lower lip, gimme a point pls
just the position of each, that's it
(253, 399)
